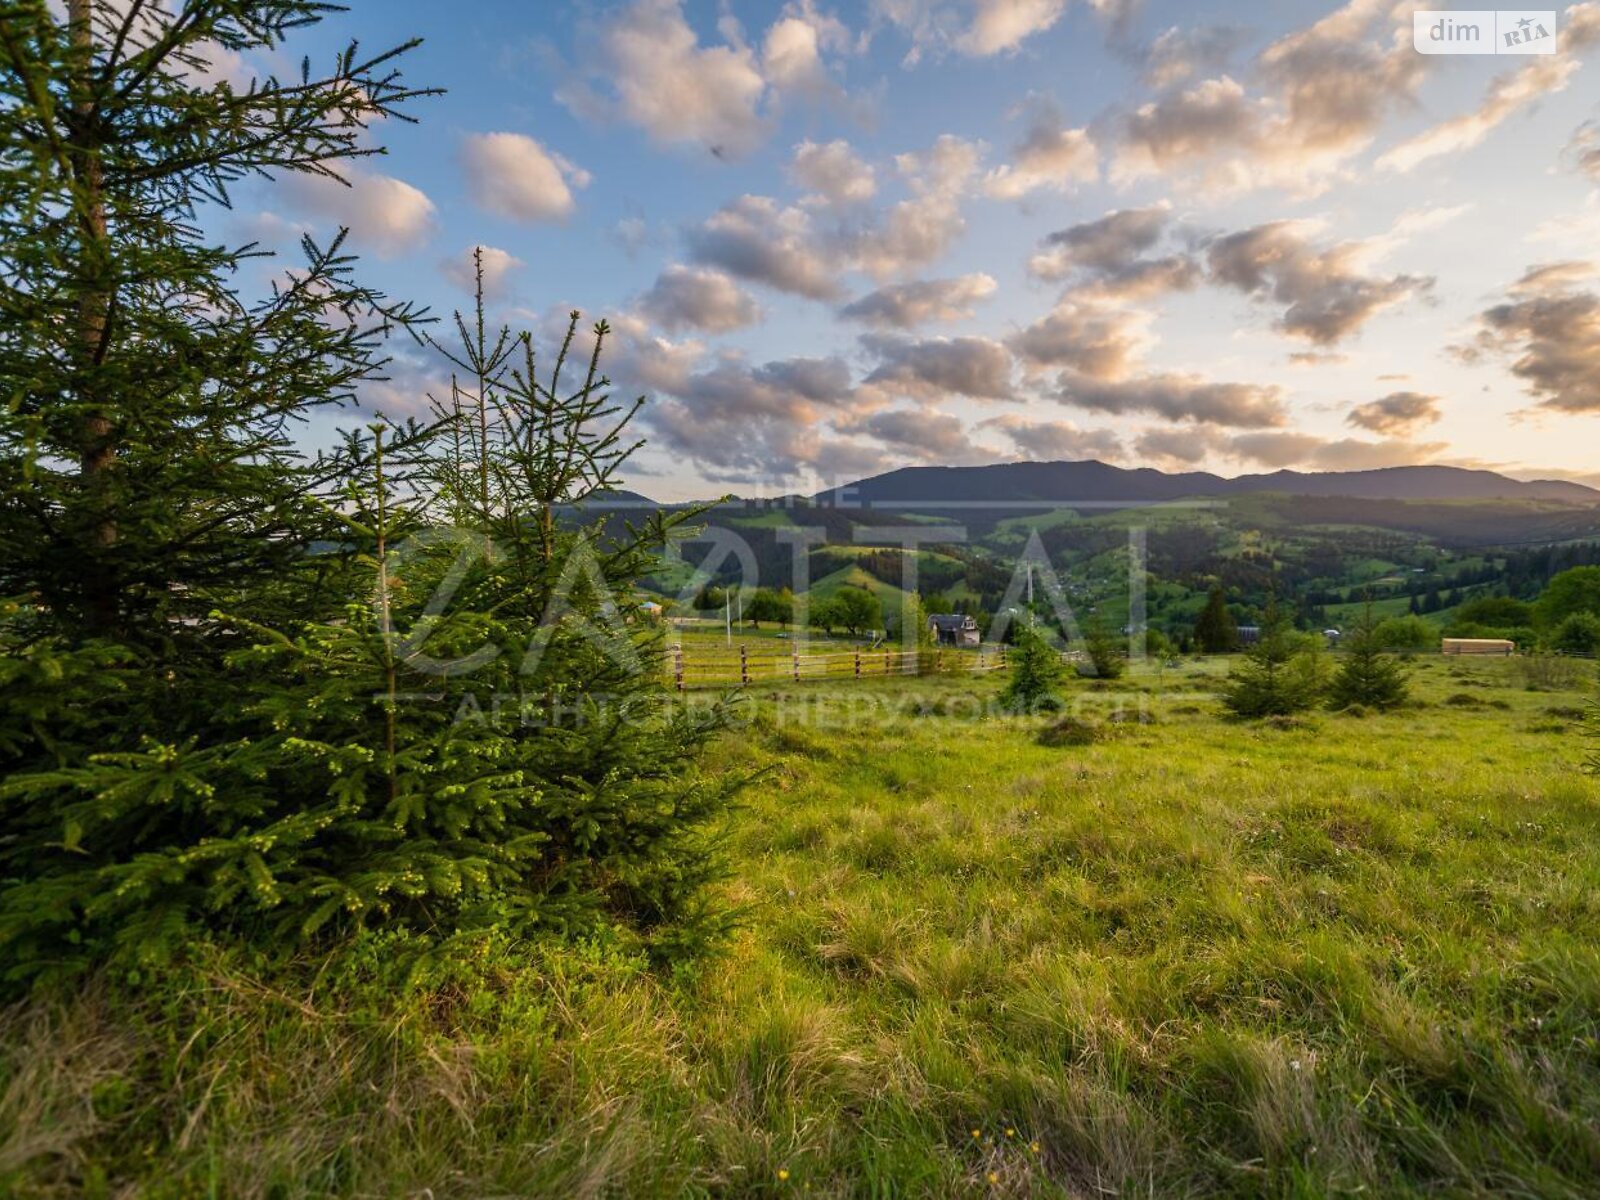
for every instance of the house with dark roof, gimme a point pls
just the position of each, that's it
(954, 629)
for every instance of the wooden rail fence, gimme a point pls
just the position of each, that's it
(739, 667)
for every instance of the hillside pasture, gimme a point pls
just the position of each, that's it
(1170, 955)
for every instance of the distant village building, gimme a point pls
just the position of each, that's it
(1332, 636)
(1249, 635)
(954, 629)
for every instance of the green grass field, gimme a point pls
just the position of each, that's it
(1327, 957)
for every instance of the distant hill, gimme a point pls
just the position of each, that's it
(615, 498)
(1097, 483)
(1417, 483)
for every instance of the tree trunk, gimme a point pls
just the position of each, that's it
(97, 454)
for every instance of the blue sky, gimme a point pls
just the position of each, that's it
(839, 238)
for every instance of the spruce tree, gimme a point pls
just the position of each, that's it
(1369, 676)
(147, 462)
(1215, 631)
(251, 693)
(148, 472)
(1036, 674)
(1275, 677)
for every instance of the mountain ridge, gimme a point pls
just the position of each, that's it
(1091, 482)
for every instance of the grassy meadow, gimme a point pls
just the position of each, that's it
(1151, 952)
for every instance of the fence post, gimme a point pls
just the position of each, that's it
(796, 652)
(858, 662)
(744, 666)
(938, 661)
(677, 666)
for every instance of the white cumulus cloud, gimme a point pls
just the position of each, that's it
(512, 175)
(386, 215)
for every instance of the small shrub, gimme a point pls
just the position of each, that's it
(1468, 700)
(1368, 677)
(1281, 675)
(1035, 675)
(1545, 672)
(1069, 731)
(1405, 633)
(1104, 658)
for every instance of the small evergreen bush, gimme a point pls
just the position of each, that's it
(1368, 677)
(1036, 674)
(1279, 676)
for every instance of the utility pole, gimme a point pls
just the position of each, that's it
(727, 615)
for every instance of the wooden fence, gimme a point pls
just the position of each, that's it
(739, 666)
